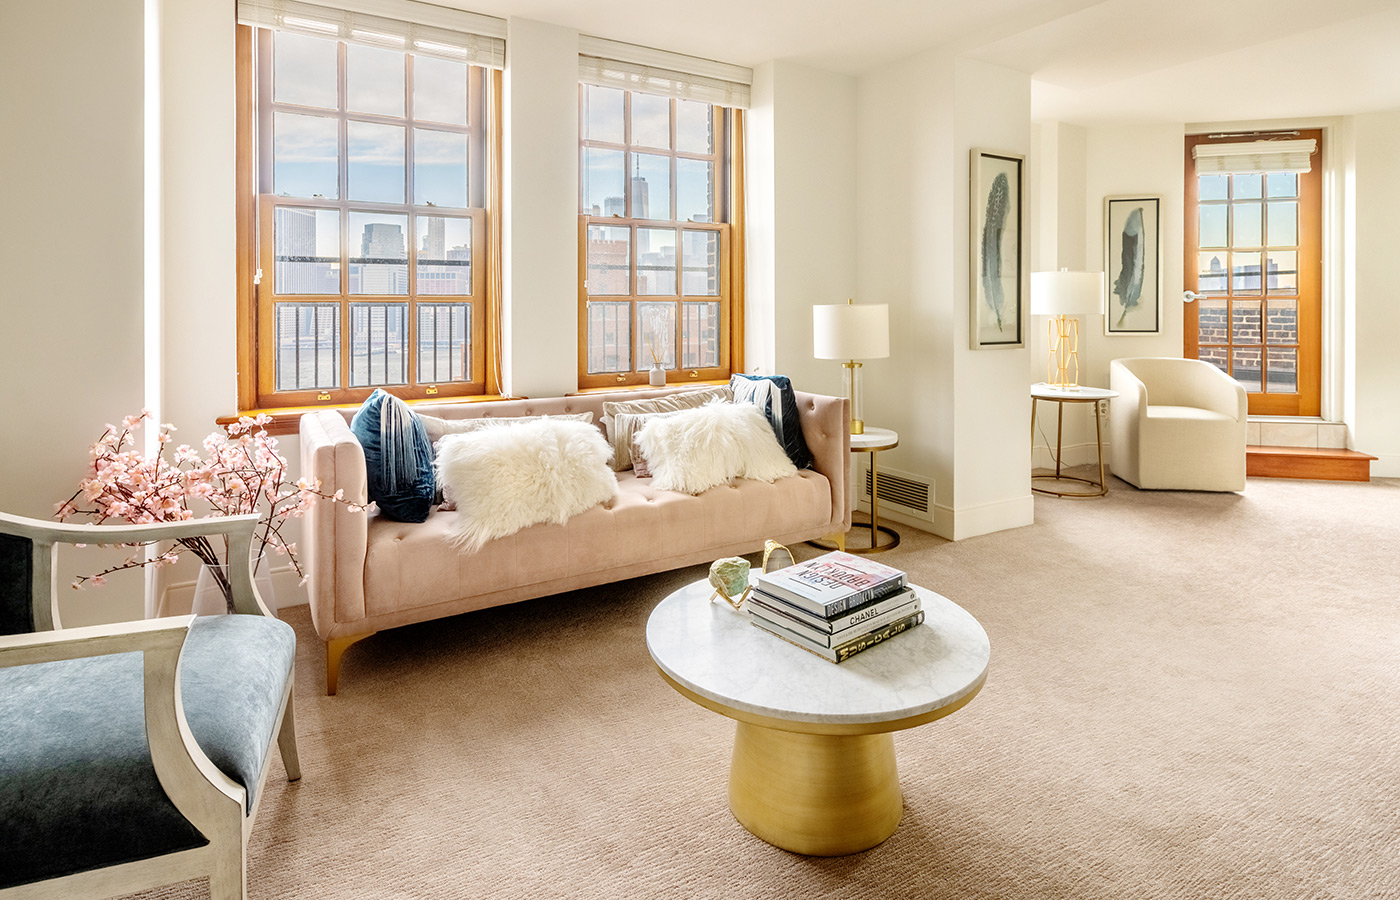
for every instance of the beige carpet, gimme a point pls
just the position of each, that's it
(1190, 695)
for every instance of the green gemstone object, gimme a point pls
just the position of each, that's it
(730, 576)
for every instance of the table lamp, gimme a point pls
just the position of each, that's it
(1063, 295)
(850, 332)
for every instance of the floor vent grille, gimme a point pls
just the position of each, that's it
(901, 492)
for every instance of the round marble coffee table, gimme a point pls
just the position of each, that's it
(813, 769)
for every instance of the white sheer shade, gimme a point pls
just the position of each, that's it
(418, 28)
(1066, 293)
(1254, 156)
(629, 67)
(851, 331)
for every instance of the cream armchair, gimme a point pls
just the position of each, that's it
(1177, 424)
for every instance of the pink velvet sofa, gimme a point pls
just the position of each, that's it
(368, 573)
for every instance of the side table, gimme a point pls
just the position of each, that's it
(1061, 396)
(872, 441)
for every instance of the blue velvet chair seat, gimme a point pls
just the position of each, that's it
(78, 790)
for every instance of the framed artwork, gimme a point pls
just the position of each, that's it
(1132, 264)
(999, 281)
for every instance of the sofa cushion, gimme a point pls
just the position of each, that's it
(774, 396)
(622, 458)
(437, 428)
(505, 479)
(697, 449)
(398, 457)
(78, 789)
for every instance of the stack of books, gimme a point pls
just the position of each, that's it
(835, 605)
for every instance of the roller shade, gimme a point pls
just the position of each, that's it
(1254, 156)
(419, 28)
(632, 68)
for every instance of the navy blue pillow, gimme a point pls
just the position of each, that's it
(773, 394)
(398, 457)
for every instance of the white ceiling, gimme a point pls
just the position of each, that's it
(1115, 60)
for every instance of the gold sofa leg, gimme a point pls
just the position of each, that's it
(335, 649)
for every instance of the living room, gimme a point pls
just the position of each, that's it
(858, 175)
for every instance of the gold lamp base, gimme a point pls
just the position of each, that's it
(853, 396)
(1063, 371)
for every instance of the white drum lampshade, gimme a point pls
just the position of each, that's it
(1063, 295)
(850, 332)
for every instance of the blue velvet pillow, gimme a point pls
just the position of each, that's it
(773, 394)
(398, 457)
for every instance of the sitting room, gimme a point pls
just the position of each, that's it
(534, 340)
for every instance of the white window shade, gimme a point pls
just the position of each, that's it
(632, 68)
(1254, 156)
(418, 28)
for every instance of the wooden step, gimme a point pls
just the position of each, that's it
(1320, 463)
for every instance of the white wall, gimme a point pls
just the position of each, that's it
(961, 413)
(71, 349)
(540, 225)
(1376, 312)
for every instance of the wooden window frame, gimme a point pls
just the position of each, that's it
(1307, 401)
(729, 304)
(257, 297)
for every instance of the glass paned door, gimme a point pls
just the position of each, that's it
(1254, 254)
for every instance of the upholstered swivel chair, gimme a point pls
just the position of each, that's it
(133, 755)
(1177, 424)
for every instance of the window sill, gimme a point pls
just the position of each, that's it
(628, 388)
(287, 419)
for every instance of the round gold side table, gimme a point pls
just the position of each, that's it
(1061, 396)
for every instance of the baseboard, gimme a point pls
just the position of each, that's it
(287, 591)
(972, 521)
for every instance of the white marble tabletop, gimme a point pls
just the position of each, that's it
(875, 439)
(713, 650)
(1042, 391)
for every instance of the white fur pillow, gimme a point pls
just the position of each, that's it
(693, 450)
(513, 476)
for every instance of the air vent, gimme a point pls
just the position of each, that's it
(902, 492)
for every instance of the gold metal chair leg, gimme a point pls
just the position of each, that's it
(335, 649)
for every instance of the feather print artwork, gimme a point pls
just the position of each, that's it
(997, 202)
(1128, 284)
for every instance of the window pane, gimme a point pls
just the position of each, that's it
(444, 342)
(1212, 322)
(601, 175)
(439, 168)
(1283, 184)
(1213, 187)
(1245, 272)
(601, 116)
(439, 90)
(1212, 225)
(304, 154)
(378, 344)
(306, 250)
(1283, 223)
(376, 162)
(1246, 368)
(699, 334)
(1283, 271)
(304, 70)
(609, 336)
(694, 127)
(1216, 356)
(1283, 371)
(1249, 187)
(1210, 274)
(651, 186)
(609, 261)
(379, 254)
(656, 338)
(444, 255)
(651, 121)
(374, 80)
(656, 261)
(308, 346)
(1248, 229)
(700, 263)
(1244, 318)
(1283, 322)
(695, 190)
